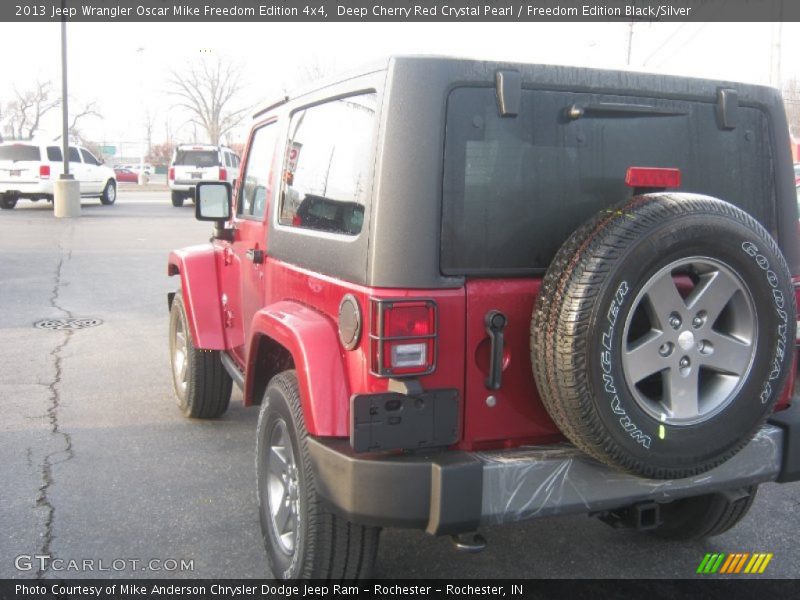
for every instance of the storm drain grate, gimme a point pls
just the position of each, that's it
(61, 324)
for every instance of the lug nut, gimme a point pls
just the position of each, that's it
(665, 349)
(684, 362)
(674, 321)
(699, 319)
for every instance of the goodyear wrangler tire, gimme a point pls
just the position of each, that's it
(662, 336)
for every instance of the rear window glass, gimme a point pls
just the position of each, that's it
(197, 158)
(54, 154)
(327, 166)
(19, 152)
(515, 188)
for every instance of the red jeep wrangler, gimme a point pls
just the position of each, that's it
(468, 293)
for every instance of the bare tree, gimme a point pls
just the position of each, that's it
(161, 154)
(88, 110)
(21, 117)
(312, 69)
(208, 92)
(149, 125)
(24, 113)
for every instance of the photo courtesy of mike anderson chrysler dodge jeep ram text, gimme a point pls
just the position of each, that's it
(469, 293)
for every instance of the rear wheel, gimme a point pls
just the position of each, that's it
(177, 199)
(7, 202)
(303, 539)
(109, 193)
(202, 385)
(704, 516)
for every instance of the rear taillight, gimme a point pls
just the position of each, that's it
(44, 171)
(403, 337)
(172, 173)
(653, 177)
(297, 221)
(223, 174)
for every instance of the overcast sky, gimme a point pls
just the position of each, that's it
(125, 67)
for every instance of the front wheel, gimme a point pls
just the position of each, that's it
(109, 193)
(302, 538)
(7, 202)
(202, 385)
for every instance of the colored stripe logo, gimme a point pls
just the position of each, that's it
(734, 563)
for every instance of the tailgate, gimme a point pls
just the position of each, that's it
(192, 173)
(19, 163)
(517, 412)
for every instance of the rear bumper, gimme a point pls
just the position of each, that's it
(182, 186)
(452, 492)
(26, 188)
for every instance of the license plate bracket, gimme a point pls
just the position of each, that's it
(392, 421)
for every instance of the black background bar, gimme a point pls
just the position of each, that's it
(400, 10)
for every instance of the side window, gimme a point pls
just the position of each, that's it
(227, 159)
(54, 154)
(328, 164)
(254, 189)
(236, 160)
(73, 155)
(89, 158)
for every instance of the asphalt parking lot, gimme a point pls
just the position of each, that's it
(97, 462)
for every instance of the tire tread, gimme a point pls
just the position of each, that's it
(564, 308)
(340, 550)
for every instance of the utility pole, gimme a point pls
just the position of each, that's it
(776, 52)
(64, 107)
(630, 43)
(66, 190)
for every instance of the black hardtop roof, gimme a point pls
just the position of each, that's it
(544, 75)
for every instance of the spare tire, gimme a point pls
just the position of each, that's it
(663, 334)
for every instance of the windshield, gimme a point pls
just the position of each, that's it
(19, 152)
(197, 158)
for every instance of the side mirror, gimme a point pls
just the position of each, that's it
(213, 201)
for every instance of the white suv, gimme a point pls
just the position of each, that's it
(192, 163)
(29, 169)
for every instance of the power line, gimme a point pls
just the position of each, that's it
(664, 43)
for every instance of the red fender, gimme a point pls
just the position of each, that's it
(312, 341)
(201, 298)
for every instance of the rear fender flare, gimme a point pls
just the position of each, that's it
(313, 343)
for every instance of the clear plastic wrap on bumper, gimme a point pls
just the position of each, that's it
(544, 481)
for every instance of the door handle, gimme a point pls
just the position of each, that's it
(495, 323)
(256, 255)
